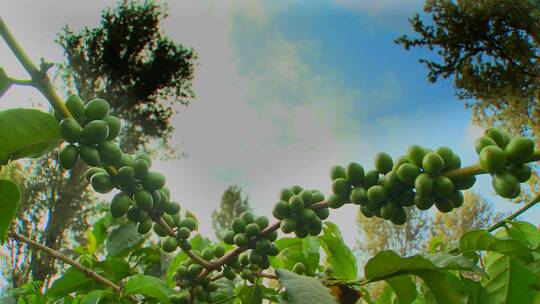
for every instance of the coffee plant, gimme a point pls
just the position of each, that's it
(254, 263)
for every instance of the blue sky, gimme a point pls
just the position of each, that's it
(284, 91)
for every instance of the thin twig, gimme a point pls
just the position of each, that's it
(194, 256)
(56, 254)
(514, 215)
(265, 275)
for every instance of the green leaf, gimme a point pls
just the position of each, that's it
(481, 240)
(27, 133)
(10, 196)
(251, 294)
(302, 289)
(72, 280)
(295, 250)
(454, 262)
(94, 296)
(149, 287)
(5, 84)
(338, 255)
(122, 239)
(445, 287)
(509, 282)
(525, 232)
(404, 288)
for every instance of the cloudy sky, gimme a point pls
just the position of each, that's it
(284, 91)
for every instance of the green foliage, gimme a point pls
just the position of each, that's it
(26, 133)
(148, 286)
(302, 289)
(10, 196)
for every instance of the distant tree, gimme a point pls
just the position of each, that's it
(129, 61)
(491, 51)
(233, 203)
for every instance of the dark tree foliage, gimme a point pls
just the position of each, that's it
(131, 63)
(490, 48)
(233, 203)
(143, 74)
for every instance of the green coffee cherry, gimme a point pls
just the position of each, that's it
(101, 182)
(443, 204)
(281, 210)
(383, 163)
(144, 156)
(400, 216)
(297, 205)
(482, 142)
(145, 226)
(134, 214)
(455, 163)
(301, 231)
(433, 163)
(95, 132)
(371, 178)
(457, 199)
(125, 177)
(172, 208)
(423, 202)
(336, 201)
(207, 254)
(75, 106)
(91, 171)
(464, 183)
(423, 184)
(179, 299)
(109, 153)
(189, 223)
(323, 213)
(299, 268)
(338, 172)
(388, 210)
(341, 187)
(185, 245)
(407, 173)
(120, 204)
(355, 174)
(262, 222)
(126, 160)
(96, 109)
(228, 237)
(498, 136)
(377, 194)
(519, 150)
(154, 181)
(358, 196)
(405, 198)
(392, 183)
(143, 200)
(307, 197)
(69, 155)
(446, 153)
(229, 273)
(288, 225)
(521, 172)
(114, 125)
(240, 240)
(238, 225)
(141, 167)
(317, 196)
(401, 160)
(506, 185)
(415, 154)
(493, 159)
(366, 212)
(285, 194)
(169, 220)
(169, 245)
(252, 230)
(90, 155)
(70, 130)
(219, 251)
(442, 186)
(183, 233)
(248, 217)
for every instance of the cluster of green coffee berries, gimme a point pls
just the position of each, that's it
(505, 159)
(143, 197)
(90, 133)
(295, 211)
(246, 231)
(416, 179)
